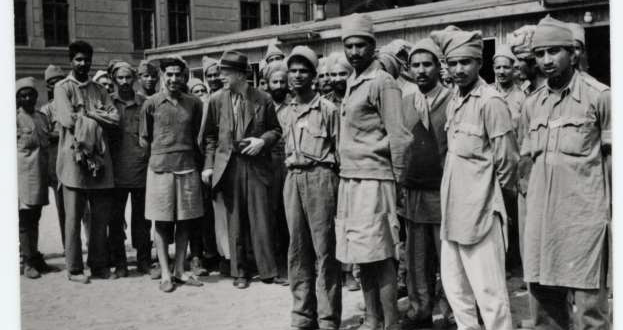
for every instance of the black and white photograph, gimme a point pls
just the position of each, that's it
(309, 164)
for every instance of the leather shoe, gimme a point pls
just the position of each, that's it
(243, 283)
(121, 272)
(281, 281)
(43, 267)
(31, 272)
(80, 278)
(103, 274)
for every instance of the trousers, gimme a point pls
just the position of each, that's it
(139, 227)
(310, 199)
(29, 235)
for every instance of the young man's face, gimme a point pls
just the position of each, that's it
(324, 80)
(300, 76)
(554, 61)
(359, 51)
(464, 70)
(81, 64)
(213, 78)
(107, 83)
(278, 85)
(528, 67)
(503, 70)
(199, 90)
(425, 70)
(27, 98)
(339, 76)
(124, 78)
(173, 78)
(148, 80)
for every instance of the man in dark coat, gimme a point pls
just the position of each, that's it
(241, 128)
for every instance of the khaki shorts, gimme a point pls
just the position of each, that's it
(366, 225)
(171, 197)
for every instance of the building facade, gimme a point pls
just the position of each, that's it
(495, 18)
(123, 29)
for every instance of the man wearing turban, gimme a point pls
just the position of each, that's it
(568, 137)
(479, 171)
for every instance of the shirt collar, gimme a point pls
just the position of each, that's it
(572, 88)
(117, 98)
(302, 109)
(369, 73)
(71, 77)
(434, 91)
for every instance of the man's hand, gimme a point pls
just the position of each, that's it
(206, 176)
(254, 147)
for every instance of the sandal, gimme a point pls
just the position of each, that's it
(191, 280)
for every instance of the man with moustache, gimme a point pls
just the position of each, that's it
(169, 126)
(567, 134)
(148, 78)
(503, 68)
(310, 199)
(480, 168)
(372, 143)
(84, 165)
(425, 116)
(276, 74)
(323, 78)
(339, 71)
(130, 167)
(241, 128)
(211, 74)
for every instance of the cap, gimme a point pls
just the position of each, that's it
(552, 32)
(53, 71)
(357, 25)
(305, 53)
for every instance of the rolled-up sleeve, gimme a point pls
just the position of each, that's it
(499, 127)
(392, 115)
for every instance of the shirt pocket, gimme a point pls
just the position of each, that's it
(576, 135)
(537, 136)
(467, 140)
(313, 138)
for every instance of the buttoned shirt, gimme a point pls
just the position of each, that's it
(73, 98)
(311, 133)
(129, 157)
(32, 158)
(170, 127)
(514, 98)
(568, 205)
(373, 136)
(481, 161)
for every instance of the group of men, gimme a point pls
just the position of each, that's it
(313, 179)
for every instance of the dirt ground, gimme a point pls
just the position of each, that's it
(135, 303)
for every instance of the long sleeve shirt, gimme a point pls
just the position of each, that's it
(568, 137)
(32, 158)
(373, 136)
(481, 161)
(71, 100)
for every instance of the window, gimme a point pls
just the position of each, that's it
(21, 34)
(179, 21)
(143, 23)
(249, 15)
(55, 26)
(274, 14)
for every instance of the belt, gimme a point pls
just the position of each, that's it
(308, 167)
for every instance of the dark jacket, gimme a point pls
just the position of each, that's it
(260, 121)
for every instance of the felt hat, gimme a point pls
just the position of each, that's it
(235, 60)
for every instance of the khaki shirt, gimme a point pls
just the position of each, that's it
(373, 136)
(311, 133)
(72, 99)
(32, 158)
(481, 161)
(568, 205)
(514, 98)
